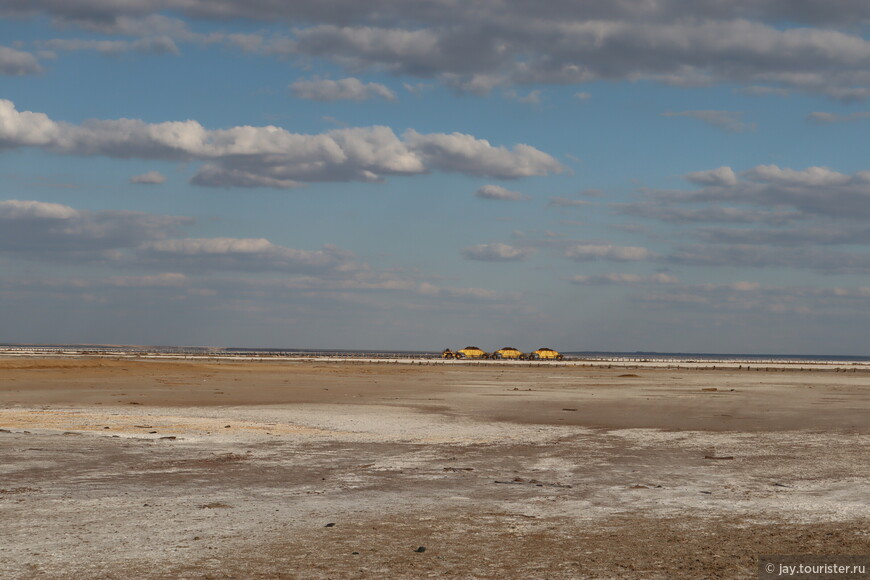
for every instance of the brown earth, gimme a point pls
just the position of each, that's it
(120, 469)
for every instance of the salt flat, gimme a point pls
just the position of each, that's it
(157, 469)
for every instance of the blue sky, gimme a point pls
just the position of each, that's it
(666, 176)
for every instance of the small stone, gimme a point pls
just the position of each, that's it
(329, 525)
(421, 549)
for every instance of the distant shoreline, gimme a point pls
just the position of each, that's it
(572, 359)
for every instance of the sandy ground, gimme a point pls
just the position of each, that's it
(123, 469)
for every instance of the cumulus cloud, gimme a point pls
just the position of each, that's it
(496, 252)
(271, 156)
(811, 176)
(428, 289)
(754, 297)
(757, 209)
(720, 176)
(349, 89)
(768, 45)
(254, 254)
(762, 91)
(577, 47)
(165, 279)
(98, 12)
(417, 89)
(52, 230)
(827, 234)
(820, 118)
(14, 209)
(149, 178)
(18, 63)
(814, 191)
(715, 214)
(622, 279)
(532, 98)
(824, 261)
(589, 252)
(728, 121)
(155, 45)
(134, 240)
(567, 202)
(498, 192)
(463, 153)
(47, 230)
(144, 256)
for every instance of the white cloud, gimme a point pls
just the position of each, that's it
(496, 252)
(18, 63)
(149, 178)
(14, 209)
(25, 129)
(348, 89)
(823, 118)
(244, 254)
(814, 191)
(155, 45)
(811, 176)
(399, 50)
(194, 246)
(623, 279)
(581, 96)
(428, 289)
(587, 252)
(166, 279)
(532, 98)
(728, 121)
(754, 297)
(218, 176)
(568, 202)
(271, 156)
(417, 89)
(751, 255)
(770, 46)
(715, 214)
(763, 91)
(466, 154)
(51, 230)
(499, 193)
(820, 118)
(680, 50)
(720, 176)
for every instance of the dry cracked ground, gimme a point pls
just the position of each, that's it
(126, 469)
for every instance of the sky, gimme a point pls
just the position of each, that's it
(597, 175)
